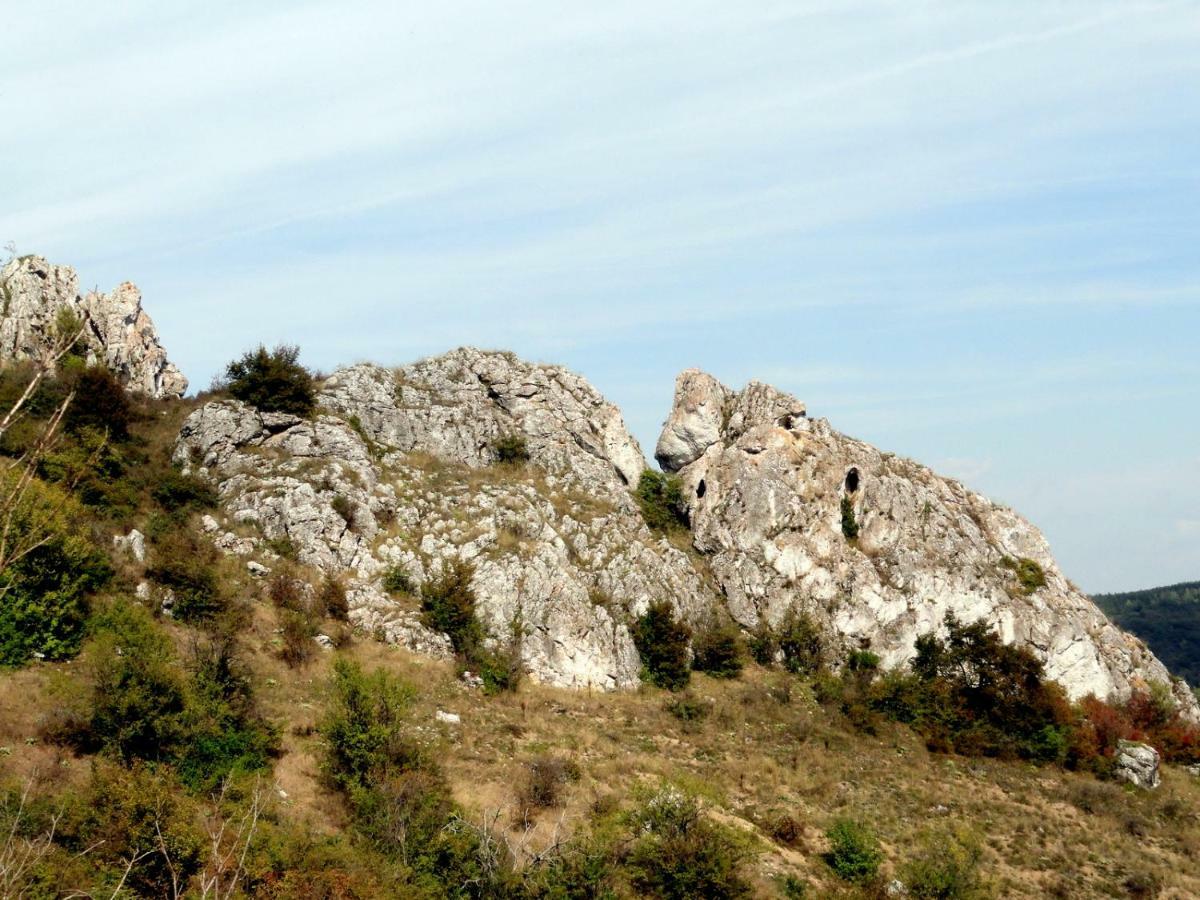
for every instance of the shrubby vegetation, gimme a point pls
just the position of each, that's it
(850, 526)
(662, 642)
(512, 450)
(272, 381)
(717, 650)
(854, 851)
(660, 497)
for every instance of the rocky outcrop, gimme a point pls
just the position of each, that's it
(1137, 764)
(767, 487)
(400, 470)
(117, 331)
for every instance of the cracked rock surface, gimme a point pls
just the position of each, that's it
(118, 332)
(765, 487)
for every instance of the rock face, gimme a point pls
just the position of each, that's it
(118, 333)
(766, 487)
(401, 471)
(1137, 764)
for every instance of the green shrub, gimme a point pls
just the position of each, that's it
(680, 855)
(854, 851)
(186, 563)
(1029, 573)
(297, 628)
(179, 493)
(365, 727)
(662, 643)
(862, 661)
(511, 449)
(660, 497)
(44, 593)
(946, 868)
(396, 581)
(801, 644)
(717, 650)
(139, 697)
(850, 526)
(687, 708)
(272, 381)
(100, 403)
(448, 605)
(763, 644)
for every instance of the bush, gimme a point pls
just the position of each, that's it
(364, 727)
(272, 381)
(297, 628)
(947, 868)
(179, 493)
(717, 649)
(511, 450)
(801, 644)
(333, 599)
(44, 604)
(679, 855)
(660, 497)
(854, 851)
(687, 708)
(397, 582)
(763, 644)
(850, 526)
(1030, 575)
(101, 403)
(344, 507)
(187, 564)
(544, 779)
(662, 643)
(448, 605)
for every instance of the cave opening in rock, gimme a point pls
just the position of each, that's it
(852, 481)
(701, 488)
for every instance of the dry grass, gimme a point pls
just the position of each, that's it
(766, 760)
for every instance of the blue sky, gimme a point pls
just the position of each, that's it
(966, 232)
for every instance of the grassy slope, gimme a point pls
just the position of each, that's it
(765, 750)
(1166, 618)
(759, 754)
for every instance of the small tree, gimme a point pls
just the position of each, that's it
(272, 381)
(661, 499)
(662, 642)
(718, 650)
(850, 526)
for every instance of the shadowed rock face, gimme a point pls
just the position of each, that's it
(766, 488)
(118, 333)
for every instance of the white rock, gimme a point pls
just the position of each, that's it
(1137, 764)
(448, 717)
(257, 569)
(133, 543)
(119, 333)
(324, 641)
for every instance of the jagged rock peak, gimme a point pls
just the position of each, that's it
(705, 412)
(770, 492)
(459, 404)
(119, 332)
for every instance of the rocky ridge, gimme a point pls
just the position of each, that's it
(117, 330)
(766, 488)
(399, 469)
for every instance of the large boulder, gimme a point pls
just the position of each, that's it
(118, 332)
(767, 498)
(400, 470)
(1137, 764)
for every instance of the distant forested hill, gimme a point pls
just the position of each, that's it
(1166, 618)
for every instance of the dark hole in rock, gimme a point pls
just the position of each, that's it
(701, 488)
(852, 481)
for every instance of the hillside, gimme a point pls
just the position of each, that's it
(1167, 619)
(436, 631)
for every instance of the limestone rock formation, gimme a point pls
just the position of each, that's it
(1137, 764)
(767, 487)
(400, 470)
(118, 332)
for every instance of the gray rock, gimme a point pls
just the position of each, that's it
(133, 543)
(765, 500)
(1137, 764)
(118, 332)
(561, 556)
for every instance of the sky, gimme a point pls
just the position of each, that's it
(967, 232)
